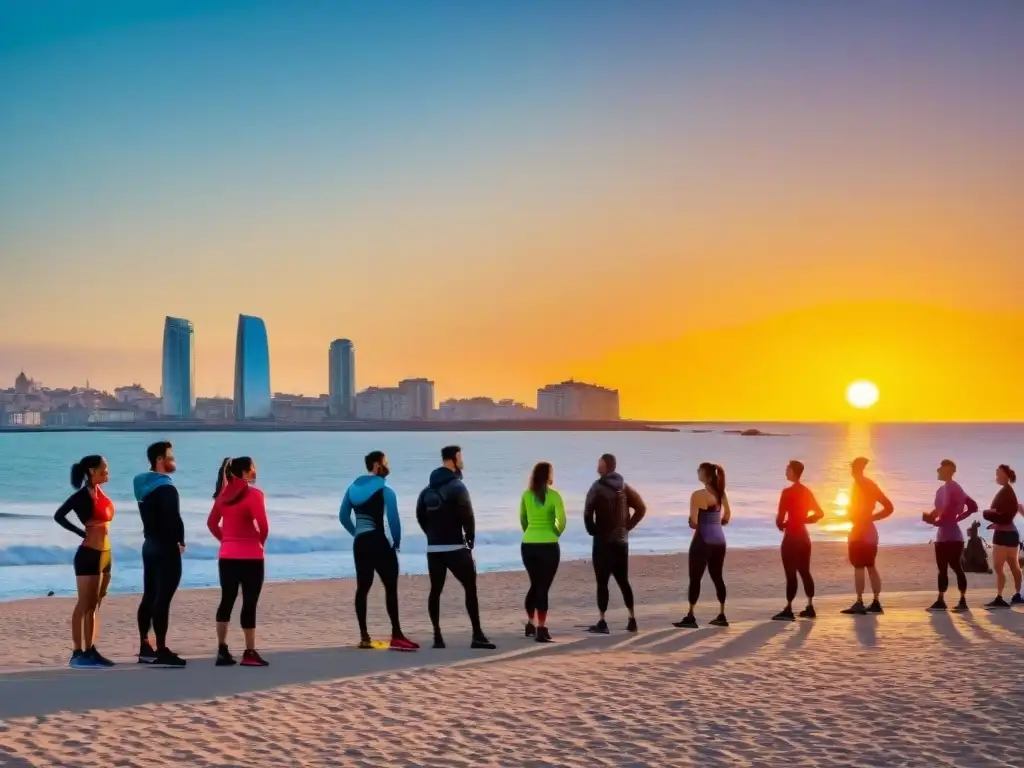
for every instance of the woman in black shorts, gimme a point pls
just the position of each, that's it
(1005, 537)
(92, 560)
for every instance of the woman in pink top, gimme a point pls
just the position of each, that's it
(238, 521)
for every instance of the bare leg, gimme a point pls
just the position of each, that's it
(82, 616)
(998, 561)
(858, 583)
(876, 581)
(1014, 564)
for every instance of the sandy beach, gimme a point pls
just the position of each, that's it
(906, 688)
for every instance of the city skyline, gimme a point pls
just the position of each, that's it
(723, 215)
(178, 369)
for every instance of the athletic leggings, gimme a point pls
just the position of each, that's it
(611, 560)
(161, 575)
(796, 559)
(947, 555)
(710, 558)
(460, 562)
(247, 574)
(373, 553)
(541, 561)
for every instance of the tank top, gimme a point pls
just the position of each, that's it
(709, 525)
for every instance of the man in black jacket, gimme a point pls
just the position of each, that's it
(445, 513)
(606, 518)
(162, 548)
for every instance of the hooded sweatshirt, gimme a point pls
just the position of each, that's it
(606, 510)
(238, 521)
(159, 508)
(364, 506)
(445, 512)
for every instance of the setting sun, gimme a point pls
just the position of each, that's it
(862, 394)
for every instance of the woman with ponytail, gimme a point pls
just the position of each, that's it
(1005, 537)
(92, 560)
(709, 511)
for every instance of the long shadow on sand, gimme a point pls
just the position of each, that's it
(8, 760)
(943, 626)
(866, 630)
(744, 644)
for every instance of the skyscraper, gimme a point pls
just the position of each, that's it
(342, 377)
(178, 385)
(252, 370)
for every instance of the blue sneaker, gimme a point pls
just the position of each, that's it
(82, 660)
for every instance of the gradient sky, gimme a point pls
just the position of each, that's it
(727, 209)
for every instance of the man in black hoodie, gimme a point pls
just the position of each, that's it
(445, 513)
(606, 517)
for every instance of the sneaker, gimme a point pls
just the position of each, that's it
(531, 631)
(399, 643)
(719, 621)
(543, 635)
(253, 659)
(786, 614)
(439, 641)
(938, 605)
(601, 628)
(808, 613)
(481, 643)
(857, 609)
(366, 644)
(631, 624)
(1017, 599)
(168, 659)
(81, 660)
(875, 607)
(961, 607)
(99, 658)
(224, 657)
(997, 603)
(688, 622)
(146, 653)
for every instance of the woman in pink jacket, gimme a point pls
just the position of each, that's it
(238, 521)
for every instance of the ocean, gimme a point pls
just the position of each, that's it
(305, 474)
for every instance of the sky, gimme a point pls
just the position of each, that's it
(727, 210)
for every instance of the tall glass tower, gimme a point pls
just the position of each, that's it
(342, 378)
(178, 385)
(252, 370)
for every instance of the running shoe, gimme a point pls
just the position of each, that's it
(997, 603)
(601, 628)
(146, 653)
(253, 659)
(366, 644)
(99, 658)
(857, 609)
(531, 631)
(439, 641)
(961, 607)
(808, 613)
(719, 621)
(400, 643)
(875, 607)
(786, 614)
(224, 657)
(168, 659)
(481, 643)
(631, 624)
(1017, 599)
(938, 605)
(543, 635)
(81, 660)
(688, 622)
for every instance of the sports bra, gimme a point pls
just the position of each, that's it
(102, 511)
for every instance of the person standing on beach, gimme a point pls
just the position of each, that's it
(445, 513)
(951, 507)
(1005, 537)
(797, 509)
(709, 511)
(862, 541)
(606, 516)
(542, 516)
(92, 560)
(238, 521)
(364, 507)
(164, 544)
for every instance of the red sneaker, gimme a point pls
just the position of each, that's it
(253, 659)
(403, 644)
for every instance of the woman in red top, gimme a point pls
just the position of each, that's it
(238, 521)
(92, 560)
(797, 509)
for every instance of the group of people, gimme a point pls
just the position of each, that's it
(444, 511)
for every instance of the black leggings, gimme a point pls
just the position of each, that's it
(947, 555)
(460, 562)
(541, 561)
(796, 559)
(710, 558)
(373, 553)
(611, 560)
(247, 574)
(161, 575)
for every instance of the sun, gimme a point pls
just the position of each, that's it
(862, 394)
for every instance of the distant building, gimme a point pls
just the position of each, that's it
(382, 404)
(342, 379)
(419, 395)
(23, 385)
(178, 389)
(299, 409)
(483, 409)
(578, 401)
(215, 409)
(252, 370)
(23, 419)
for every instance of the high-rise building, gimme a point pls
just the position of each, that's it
(576, 400)
(178, 385)
(341, 361)
(420, 396)
(252, 370)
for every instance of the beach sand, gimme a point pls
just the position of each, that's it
(907, 688)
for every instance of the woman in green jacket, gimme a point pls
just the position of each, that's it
(542, 516)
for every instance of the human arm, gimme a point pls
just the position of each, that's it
(726, 509)
(817, 513)
(780, 517)
(259, 514)
(213, 521)
(394, 521)
(590, 511)
(421, 512)
(524, 518)
(61, 515)
(695, 499)
(560, 521)
(970, 508)
(881, 498)
(1004, 507)
(345, 515)
(635, 503)
(464, 507)
(168, 506)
